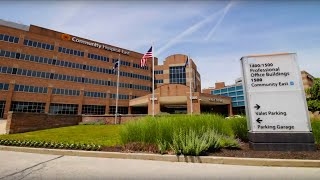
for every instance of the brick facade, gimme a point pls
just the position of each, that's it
(43, 35)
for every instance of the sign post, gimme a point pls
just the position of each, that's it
(276, 107)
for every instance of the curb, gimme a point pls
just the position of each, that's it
(171, 158)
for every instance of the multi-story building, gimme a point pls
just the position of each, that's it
(42, 70)
(235, 91)
(46, 71)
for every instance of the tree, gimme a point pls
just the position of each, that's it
(313, 99)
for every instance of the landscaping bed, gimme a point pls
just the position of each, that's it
(243, 152)
(205, 135)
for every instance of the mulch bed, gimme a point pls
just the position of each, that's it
(244, 152)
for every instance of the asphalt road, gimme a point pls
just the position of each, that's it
(16, 165)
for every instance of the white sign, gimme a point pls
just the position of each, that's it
(274, 93)
(216, 100)
(194, 97)
(100, 46)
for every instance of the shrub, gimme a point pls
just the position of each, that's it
(316, 131)
(191, 143)
(239, 128)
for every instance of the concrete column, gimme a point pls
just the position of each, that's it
(230, 110)
(9, 99)
(195, 103)
(107, 104)
(156, 104)
(80, 101)
(48, 100)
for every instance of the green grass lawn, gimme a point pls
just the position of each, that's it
(105, 135)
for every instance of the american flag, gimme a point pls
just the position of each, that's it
(148, 54)
(116, 64)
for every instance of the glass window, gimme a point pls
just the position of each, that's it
(234, 104)
(216, 91)
(224, 90)
(232, 94)
(225, 94)
(239, 92)
(16, 40)
(240, 98)
(234, 98)
(11, 38)
(6, 38)
(231, 89)
(239, 87)
(241, 103)
(16, 87)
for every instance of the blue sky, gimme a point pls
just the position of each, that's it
(216, 34)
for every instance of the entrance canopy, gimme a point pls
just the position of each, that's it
(177, 95)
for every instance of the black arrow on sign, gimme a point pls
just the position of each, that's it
(257, 106)
(259, 120)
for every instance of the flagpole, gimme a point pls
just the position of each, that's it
(117, 97)
(153, 79)
(190, 75)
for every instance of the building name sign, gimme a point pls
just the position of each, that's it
(100, 46)
(216, 100)
(274, 94)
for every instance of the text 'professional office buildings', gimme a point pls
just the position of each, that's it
(46, 71)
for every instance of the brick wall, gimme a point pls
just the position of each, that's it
(18, 122)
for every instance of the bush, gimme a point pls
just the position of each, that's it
(191, 143)
(316, 131)
(239, 128)
(184, 134)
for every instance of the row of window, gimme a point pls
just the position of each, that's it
(67, 92)
(95, 94)
(239, 98)
(32, 89)
(121, 96)
(93, 109)
(4, 86)
(237, 104)
(121, 110)
(55, 108)
(36, 44)
(231, 94)
(227, 89)
(8, 38)
(158, 81)
(36, 107)
(139, 67)
(98, 57)
(67, 64)
(71, 51)
(48, 75)
(158, 72)
(63, 108)
(122, 62)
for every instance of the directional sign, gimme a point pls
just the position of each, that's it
(274, 94)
